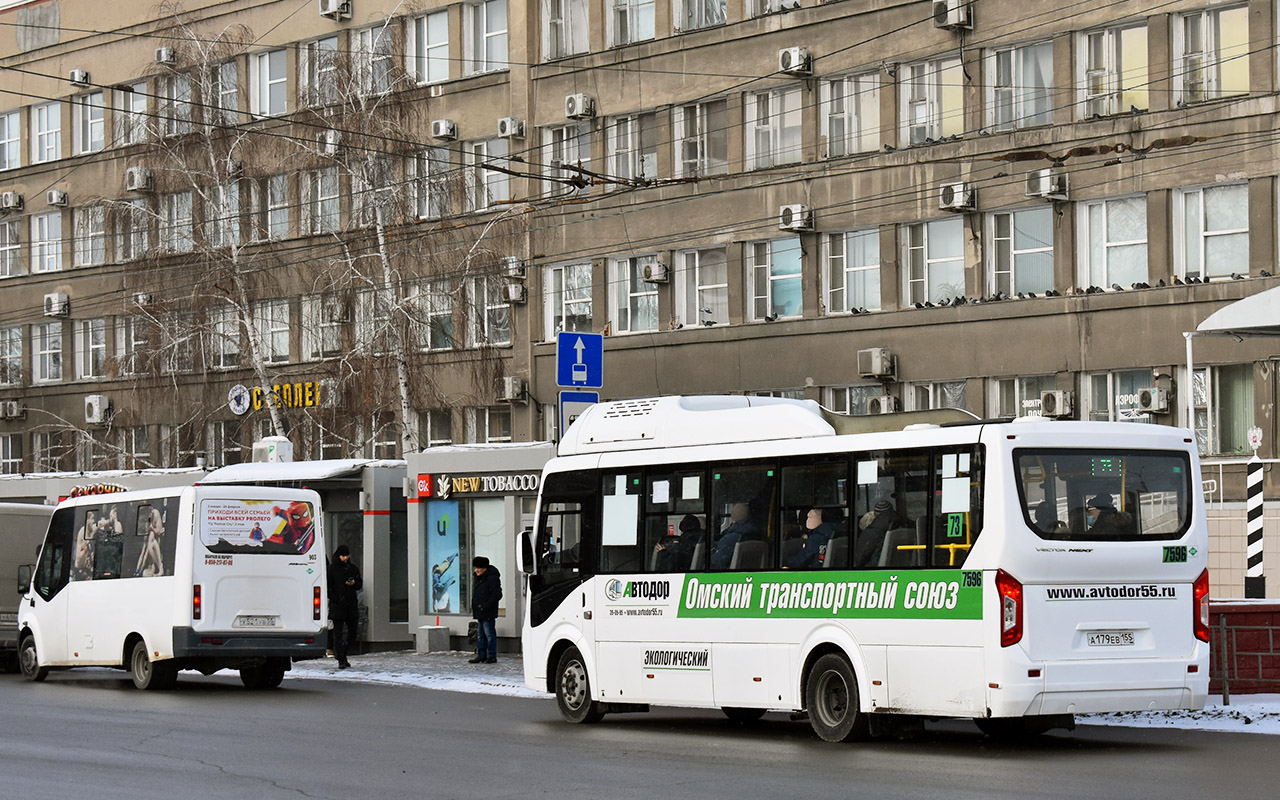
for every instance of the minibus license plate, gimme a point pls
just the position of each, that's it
(256, 622)
(1111, 639)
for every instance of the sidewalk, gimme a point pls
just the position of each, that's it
(1249, 713)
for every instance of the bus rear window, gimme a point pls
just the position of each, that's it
(257, 526)
(1104, 495)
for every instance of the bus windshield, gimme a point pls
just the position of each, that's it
(1104, 495)
(257, 526)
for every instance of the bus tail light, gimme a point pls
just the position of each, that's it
(315, 602)
(1010, 591)
(1200, 606)
(195, 601)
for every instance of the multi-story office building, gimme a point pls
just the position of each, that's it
(368, 214)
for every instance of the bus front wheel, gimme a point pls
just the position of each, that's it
(573, 689)
(29, 660)
(831, 696)
(148, 674)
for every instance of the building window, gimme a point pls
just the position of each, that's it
(1113, 396)
(1113, 242)
(270, 199)
(86, 113)
(565, 30)
(759, 8)
(46, 133)
(323, 319)
(428, 50)
(1020, 86)
(46, 242)
(1223, 400)
(436, 425)
(11, 356)
(271, 318)
(489, 424)
(633, 147)
(374, 333)
(11, 453)
(1113, 73)
(934, 260)
(774, 271)
(635, 301)
(10, 140)
(222, 95)
(384, 436)
(132, 343)
(701, 139)
(432, 304)
(328, 443)
(373, 59)
(176, 232)
(224, 443)
(269, 84)
(1019, 397)
(694, 14)
(130, 113)
(945, 394)
(90, 236)
(318, 71)
(222, 216)
(568, 299)
(11, 248)
(1211, 224)
(703, 286)
(487, 187)
(46, 352)
(430, 170)
(851, 114)
(852, 400)
(133, 223)
(490, 314)
(178, 340)
(173, 104)
(1021, 250)
(630, 21)
(773, 123)
(853, 271)
(91, 348)
(48, 451)
(135, 447)
(320, 203)
(1211, 50)
(932, 100)
(567, 147)
(224, 332)
(486, 26)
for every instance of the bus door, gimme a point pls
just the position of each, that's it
(101, 532)
(46, 602)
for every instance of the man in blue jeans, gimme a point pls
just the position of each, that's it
(486, 591)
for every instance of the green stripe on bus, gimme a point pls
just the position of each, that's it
(906, 594)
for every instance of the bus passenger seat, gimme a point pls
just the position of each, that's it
(699, 559)
(837, 553)
(748, 554)
(891, 556)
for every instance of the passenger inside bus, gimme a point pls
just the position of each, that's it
(742, 528)
(1105, 520)
(1046, 517)
(675, 554)
(820, 526)
(866, 552)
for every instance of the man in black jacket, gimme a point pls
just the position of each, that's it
(486, 591)
(344, 605)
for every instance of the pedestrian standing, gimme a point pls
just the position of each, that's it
(344, 605)
(486, 591)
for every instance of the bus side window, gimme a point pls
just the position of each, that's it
(54, 568)
(957, 512)
(745, 529)
(815, 531)
(109, 541)
(675, 507)
(620, 522)
(567, 521)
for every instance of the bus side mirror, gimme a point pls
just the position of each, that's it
(24, 578)
(525, 554)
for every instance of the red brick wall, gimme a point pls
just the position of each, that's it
(1253, 645)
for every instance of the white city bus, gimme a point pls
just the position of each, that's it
(161, 580)
(1016, 573)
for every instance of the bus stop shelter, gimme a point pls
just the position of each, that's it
(1253, 316)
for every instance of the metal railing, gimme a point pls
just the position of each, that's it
(1214, 485)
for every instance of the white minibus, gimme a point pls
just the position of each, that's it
(22, 529)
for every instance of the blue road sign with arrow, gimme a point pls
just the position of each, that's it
(580, 360)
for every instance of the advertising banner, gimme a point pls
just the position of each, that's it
(442, 555)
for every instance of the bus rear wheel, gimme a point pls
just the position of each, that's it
(831, 696)
(573, 689)
(148, 674)
(263, 676)
(29, 660)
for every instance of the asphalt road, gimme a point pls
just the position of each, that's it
(92, 735)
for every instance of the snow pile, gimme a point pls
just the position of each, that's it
(1248, 713)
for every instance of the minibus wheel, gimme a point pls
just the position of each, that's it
(831, 696)
(573, 689)
(148, 674)
(29, 660)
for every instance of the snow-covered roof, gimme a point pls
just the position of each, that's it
(292, 471)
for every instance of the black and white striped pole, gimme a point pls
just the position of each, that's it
(1255, 582)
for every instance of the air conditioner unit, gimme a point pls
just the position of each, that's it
(1057, 403)
(1153, 400)
(882, 405)
(10, 201)
(579, 106)
(510, 128)
(166, 55)
(328, 141)
(444, 129)
(511, 390)
(12, 409)
(877, 362)
(272, 450)
(55, 197)
(79, 77)
(952, 14)
(656, 272)
(515, 293)
(97, 409)
(957, 197)
(794, 61)
(142, 299)
(57, 304)
(335, 9)
(513, 267)
(138, 179)
(1049, 183)
(795, 217)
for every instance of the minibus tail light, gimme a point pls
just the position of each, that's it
(1200, 606)
(1010, 592)
(315, 602)
(195, 601)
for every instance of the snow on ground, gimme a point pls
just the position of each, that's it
(1247, 713)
